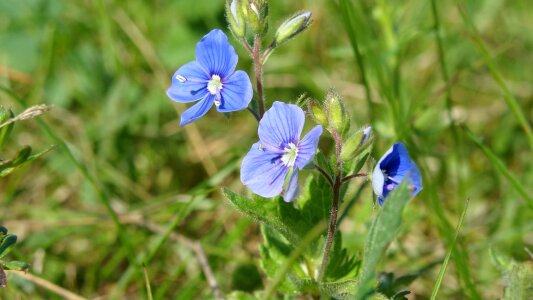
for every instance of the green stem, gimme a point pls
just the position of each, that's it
(334, 206)
(258, 70)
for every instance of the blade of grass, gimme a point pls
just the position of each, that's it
(102, 196)
(500, 166)
(345, 8)
(511, 101)
(449, 254)
(147, 283)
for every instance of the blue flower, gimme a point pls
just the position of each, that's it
(393, 167)
(279, 154)
(212, 79)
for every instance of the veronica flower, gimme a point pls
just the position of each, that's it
(394, 167)
(212, 79)
(280, 153)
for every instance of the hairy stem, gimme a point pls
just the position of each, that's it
(258, 70)
(325, 174)
(346, 178)
(332, 228)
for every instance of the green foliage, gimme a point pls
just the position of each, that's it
(105, 66)
(7, 242)
(381, 233)
(23, 156)
(285, 226)
(518, 276)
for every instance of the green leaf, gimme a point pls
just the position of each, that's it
(238, 295)
(8, 242)
(315, 201)
(381, 233)
(274, 252)
(341, 266)
(275, 213)
(5, 131)
(342, 289)
(520, 280)
(23, 156)
(16, 266)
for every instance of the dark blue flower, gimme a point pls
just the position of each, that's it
(279, 154)
(393, 167)
(212, 79)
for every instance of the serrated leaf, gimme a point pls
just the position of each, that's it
(342, 289)
(341, 266)
(275, 213)
(316, 200)
(381, 233)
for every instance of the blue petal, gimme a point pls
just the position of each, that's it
(378, 180)
(189, 83)
(197, 111)
(394, 167)
(215, 54)
(281, 124)
(236, 92)
(307, 147)
(292, 187)
(263, 172)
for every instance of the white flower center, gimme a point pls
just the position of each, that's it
(289, 156)
(214, 85)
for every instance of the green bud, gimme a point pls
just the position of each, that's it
(235, 17)
(256, 15)
(292, 26)
(5, 132)
(3, 231)
(357, 143)
(337, 117)
(317, 113)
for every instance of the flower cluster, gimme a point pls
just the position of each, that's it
(275, 160)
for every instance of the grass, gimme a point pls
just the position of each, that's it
(120, 184)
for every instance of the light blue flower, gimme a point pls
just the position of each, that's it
(279, 154)
(212, 79)
(393, 167)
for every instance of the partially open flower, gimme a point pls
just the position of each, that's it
(394, 167)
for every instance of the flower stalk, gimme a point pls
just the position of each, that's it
(258, 70)
(337, 183)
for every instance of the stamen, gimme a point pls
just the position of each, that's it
(214, 86)
(290, 154)
(181, 78)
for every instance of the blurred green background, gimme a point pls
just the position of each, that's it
(104, 65)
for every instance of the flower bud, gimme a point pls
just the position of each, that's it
(256, 15)
(235, 17)
(337, 117)
(5, 132)
(292, 26)
(317, 113)
(357, 143)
